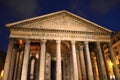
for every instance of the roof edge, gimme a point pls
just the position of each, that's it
(53, 13)
(90, 22)
(37, 17)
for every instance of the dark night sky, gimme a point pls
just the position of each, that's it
(103, 12)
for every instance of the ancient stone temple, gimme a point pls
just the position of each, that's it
(58, 46)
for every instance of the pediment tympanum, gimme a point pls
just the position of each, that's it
(62, 20)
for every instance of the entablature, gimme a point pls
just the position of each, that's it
(59, 34)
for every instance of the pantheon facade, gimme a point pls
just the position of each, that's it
(58, 46)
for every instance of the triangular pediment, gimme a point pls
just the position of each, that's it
(62, 20)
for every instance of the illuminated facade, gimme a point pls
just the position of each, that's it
(116, 47)
(58, 46)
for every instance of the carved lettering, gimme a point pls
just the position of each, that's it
(59, 35)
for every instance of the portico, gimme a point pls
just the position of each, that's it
(67, 39)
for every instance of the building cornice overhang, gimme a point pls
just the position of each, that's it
(57, 31)
(27, 21)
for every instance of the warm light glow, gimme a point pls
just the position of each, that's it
(2, 73)
(21, 42)
(111, 64)
(110, 68)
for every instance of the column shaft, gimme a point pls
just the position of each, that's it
(88, 62)
(106, 65)
(71, 66)
(79, 66)
(42, 60)
(102, 64)
(58, 61)
(12, 66)
(25, 61)
(115, 67)
(20, 65)
(48, 67)
(64, 69)
(82, 61)
(16, 65)
(75, 66)
(68, 68)
(8, 59)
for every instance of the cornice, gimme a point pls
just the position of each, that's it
(57, 31)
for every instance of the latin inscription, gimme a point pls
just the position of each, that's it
(62, 36)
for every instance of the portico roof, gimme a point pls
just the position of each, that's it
(56, 20)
